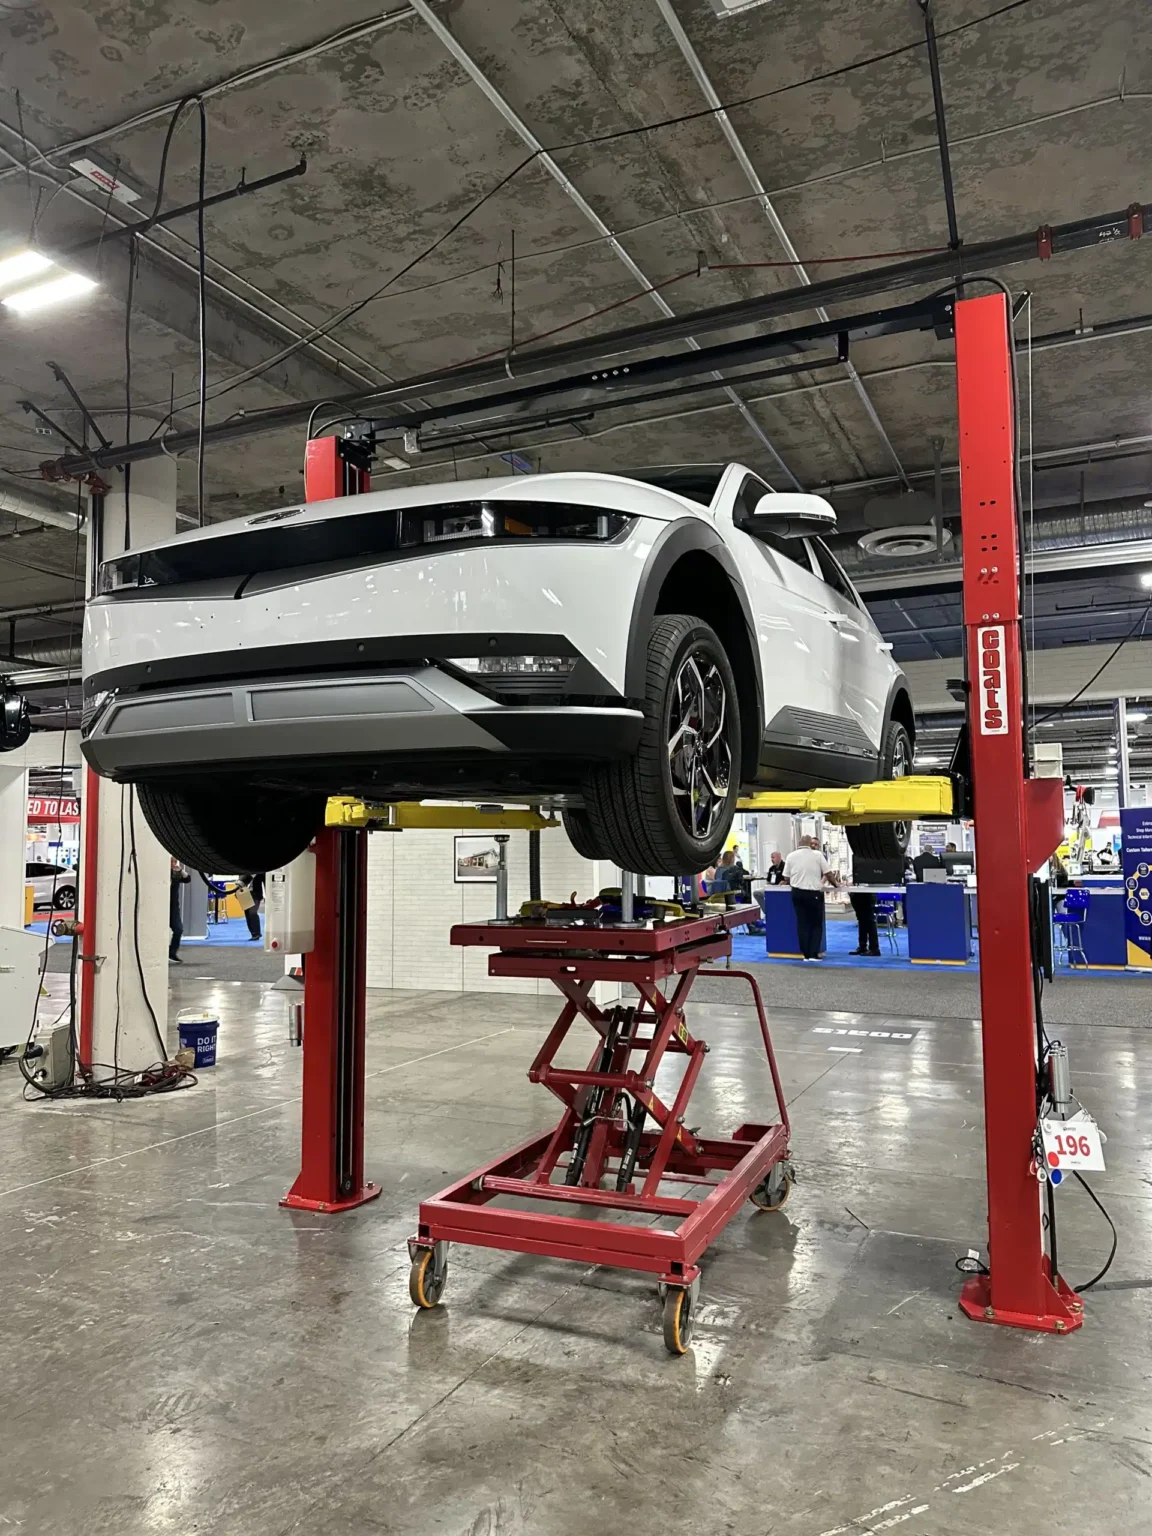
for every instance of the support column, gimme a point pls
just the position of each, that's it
(13, 841)
(125, 1023)
(1123, 773)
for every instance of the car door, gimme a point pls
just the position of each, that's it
(866, 668)
(800, 651)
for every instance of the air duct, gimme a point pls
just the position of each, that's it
(37, 511)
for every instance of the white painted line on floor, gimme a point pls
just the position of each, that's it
(846, 1050)
(219, 1125)
(985, 1477)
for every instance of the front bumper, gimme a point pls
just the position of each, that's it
(399, 713)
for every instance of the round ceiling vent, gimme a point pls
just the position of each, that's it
(899, 543)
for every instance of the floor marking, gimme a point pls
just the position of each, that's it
(906, 1300)
(986, 1477)
(219, 1125)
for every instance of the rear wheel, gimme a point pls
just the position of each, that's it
(887, 839)
(241, 830)
(667, 809)
(64, 898)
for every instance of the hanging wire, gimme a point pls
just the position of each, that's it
(1029, 555)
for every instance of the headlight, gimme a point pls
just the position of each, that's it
(467, 522)
(516, 666)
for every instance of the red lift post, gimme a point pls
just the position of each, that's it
(331, 1174)
(1019, 823)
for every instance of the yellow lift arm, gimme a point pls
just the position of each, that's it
(910, 799)
(397, 816)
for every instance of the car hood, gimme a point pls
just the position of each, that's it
(613, 493)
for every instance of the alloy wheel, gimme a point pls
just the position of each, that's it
(900, 767)
(699, 753)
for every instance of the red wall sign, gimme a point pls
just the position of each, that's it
(53, 808)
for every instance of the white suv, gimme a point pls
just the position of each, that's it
(636, 650)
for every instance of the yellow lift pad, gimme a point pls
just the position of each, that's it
(915, 798)
(397, 816)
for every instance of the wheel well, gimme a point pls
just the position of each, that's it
(903, 712)
(699, 585)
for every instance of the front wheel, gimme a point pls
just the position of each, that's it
(64, 898)
(668, 809)
(239, 830)
(887, 839)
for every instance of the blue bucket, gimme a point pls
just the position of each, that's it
(199, 1036)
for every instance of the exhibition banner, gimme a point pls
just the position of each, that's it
(1136, 845)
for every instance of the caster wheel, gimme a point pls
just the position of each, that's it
(772, 1194)
(677, 1320)
(426, 1283)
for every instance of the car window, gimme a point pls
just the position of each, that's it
(833, 573)
(743, 508)
(699, 482)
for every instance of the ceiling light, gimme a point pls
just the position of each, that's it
(1146, 579)
(927, 762)
(55, 291)
(1136, 719)
(25, 264)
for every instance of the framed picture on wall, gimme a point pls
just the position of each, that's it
(476, 859)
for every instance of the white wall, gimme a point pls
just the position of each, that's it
(1054, 675)
(413, 902)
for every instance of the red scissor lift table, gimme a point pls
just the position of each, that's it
(600, 1154)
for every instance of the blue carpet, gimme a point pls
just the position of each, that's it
(232, 930)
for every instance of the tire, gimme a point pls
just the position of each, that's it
(678, 1318)
(64, 898)
(579, 830)
(887, 839)
(241, 831)
(664, 811)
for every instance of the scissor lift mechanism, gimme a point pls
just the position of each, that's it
(600, 1155)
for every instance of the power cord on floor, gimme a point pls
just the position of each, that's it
(1099, 1204)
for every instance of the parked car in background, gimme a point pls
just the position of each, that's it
(633, 649)
(53, 885)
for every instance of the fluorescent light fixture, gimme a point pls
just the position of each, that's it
(1146, 579)
(1137, 719)
(927, 762)
(43, 295)
(25, 264)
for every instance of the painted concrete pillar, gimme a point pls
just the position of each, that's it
(130, 1004)
(13, 839)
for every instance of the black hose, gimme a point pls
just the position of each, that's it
(534, 866)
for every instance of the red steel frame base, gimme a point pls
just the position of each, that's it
(331, 1174)
(599, 1136)
(1063, 1309)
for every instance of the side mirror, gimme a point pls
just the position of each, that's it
(15, 723)
(792, 514)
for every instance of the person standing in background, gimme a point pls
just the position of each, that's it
(252, 913)
(807, 871)
(180, 876)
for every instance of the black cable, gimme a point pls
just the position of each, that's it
(132, 259)
(1120, 644)
(134, 864)
(1095, 1280)
(201, 306)
(173, 124)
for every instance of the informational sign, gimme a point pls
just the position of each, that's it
(53, 808)
(992, 703)
(1136, 862)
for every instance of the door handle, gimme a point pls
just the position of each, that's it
(835, 619)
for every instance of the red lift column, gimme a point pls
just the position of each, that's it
(331, 1174)
(1019, 822)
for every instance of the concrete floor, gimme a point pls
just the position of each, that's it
(179, 1355)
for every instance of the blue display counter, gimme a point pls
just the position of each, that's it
(780, 937)
(939, 918)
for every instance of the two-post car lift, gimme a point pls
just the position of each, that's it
(602, 1135)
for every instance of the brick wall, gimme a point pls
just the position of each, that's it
(413, 900)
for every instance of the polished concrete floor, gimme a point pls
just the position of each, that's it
(179, 1355)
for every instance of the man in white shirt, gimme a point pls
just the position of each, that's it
(807, 871)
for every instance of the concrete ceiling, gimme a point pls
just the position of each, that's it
(1050, 107)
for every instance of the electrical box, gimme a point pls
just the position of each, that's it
(21, 958)
(290, 907)
(1048, 760)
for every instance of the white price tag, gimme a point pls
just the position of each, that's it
(1073, 1144)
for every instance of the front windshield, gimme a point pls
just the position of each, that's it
(696, 481)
